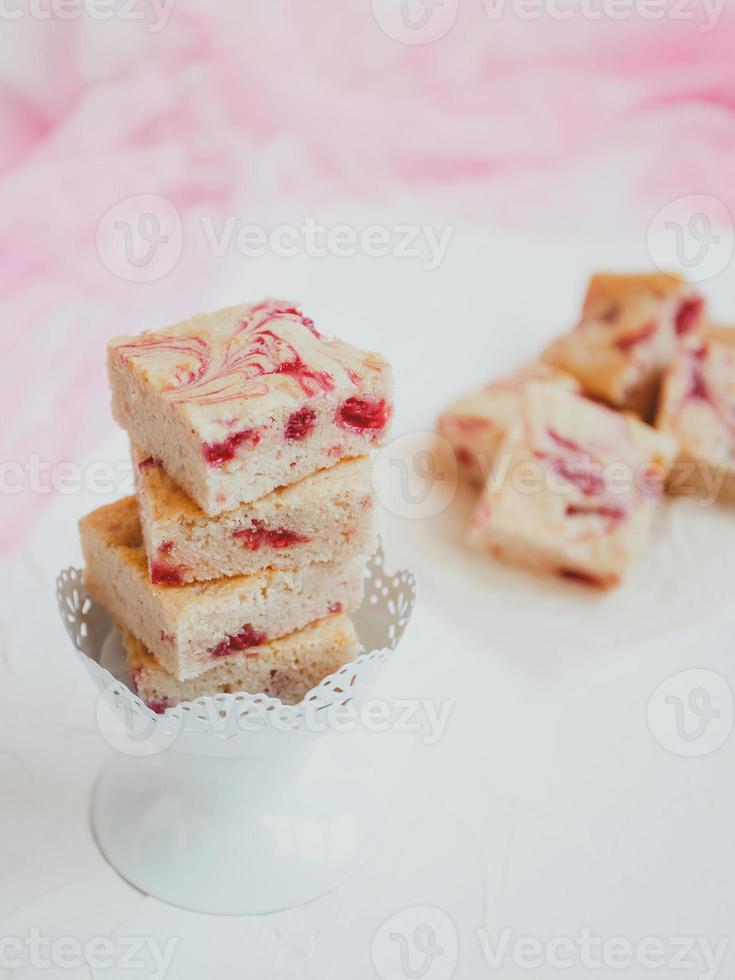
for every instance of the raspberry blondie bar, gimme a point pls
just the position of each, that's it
(627, 336)
(190, 627)
(573, 488)
(720, 333)
(239, 402)
(324, 517)
(475, 425)
(698, 407)
(287, 668)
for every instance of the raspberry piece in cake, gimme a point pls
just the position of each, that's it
(364, 414)
(190, 628)
(287, 668)
(698, 407)
(475, 425)
(573, 488)
(628, 334)
(300, 424)
(236, 403)
(321, 518)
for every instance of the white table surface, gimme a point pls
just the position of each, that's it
(547, 806)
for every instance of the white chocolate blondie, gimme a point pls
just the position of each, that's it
(239, 402)
(573, 488)
(720, 333)
(627, 336)
(324, 517)
(286, 668)
(475, 425)
(698, 407)
(190, 627)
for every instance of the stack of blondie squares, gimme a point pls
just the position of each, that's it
(239, 559)
(571, 454)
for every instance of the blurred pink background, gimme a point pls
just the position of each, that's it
(284, 107)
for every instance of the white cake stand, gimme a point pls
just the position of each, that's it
(237, 803)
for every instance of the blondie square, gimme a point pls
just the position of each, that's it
(627, 336)
(287, 668)
(698, 407)
(720, 333)
(573, 488)
(236, 403)
(190, 627)
(324, 517)
(476, 424)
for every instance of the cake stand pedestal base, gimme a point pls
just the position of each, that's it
(233, 836)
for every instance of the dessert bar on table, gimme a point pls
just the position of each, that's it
(720, 333)
(236, 403)
(324, 517)
(286, 668)
(643, 386)
(475, 425)
(189, 627)
(235, 566)
(628, 332)
(698, 407)
(577, 489)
